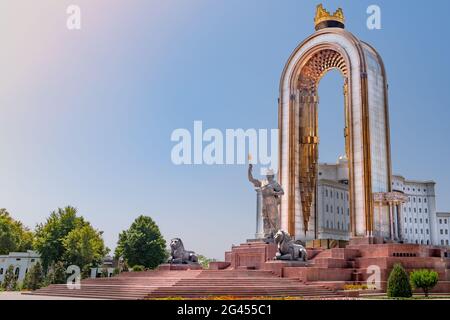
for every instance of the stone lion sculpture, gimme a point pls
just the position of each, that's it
(180, 256)
(288, 249)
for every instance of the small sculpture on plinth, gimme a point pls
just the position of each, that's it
(289, 249)
(178, 255)
(271, 194)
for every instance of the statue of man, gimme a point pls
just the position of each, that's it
(271, 193)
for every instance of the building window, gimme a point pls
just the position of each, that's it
(326, 192)
(446, 242)
(428, 231)
(326, 208)
(446, 231)
(406, 231)
(428, 241)
(420, 200)
(426, 210)
(440, 221)
(420, 210)
(445, 221)
(442, 231)
(426, 220)
(32, 260)
(421, 231)
(416, 231)
(415, 210)
(17, 272)
(1, 271)
(442, 242)
(420, 220)
(415, 220)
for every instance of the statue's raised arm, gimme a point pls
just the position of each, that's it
(255, 182)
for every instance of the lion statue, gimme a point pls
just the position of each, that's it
(289, 249)
(180, 256)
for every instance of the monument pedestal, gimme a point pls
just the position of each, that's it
(252, 255)
(277, 266)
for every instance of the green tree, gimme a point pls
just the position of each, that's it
(34, 277)
(13, 235)
(10, 280)
(424, 279)
(204, 261)
(50, 235)
(84, 247)
(398, 285)
(142, 244)
(69, 238)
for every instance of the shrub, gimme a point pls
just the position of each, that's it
(34, 277)
(116, 271)
(138, 268)
(104, 273)
(398, 285)
(10, 281)
(204, 261)
(56, 274)
(424, 279)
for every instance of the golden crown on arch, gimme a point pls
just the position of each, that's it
(323, 15)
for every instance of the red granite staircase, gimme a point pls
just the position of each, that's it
(189, 284)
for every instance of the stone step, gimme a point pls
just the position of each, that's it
(198, 283)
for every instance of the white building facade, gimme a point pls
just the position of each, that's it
(21, 261)
(333, 201)
(415, 221)
(419, 212)
(442, 228)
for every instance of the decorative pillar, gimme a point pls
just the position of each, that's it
(391, 220)
(400, 221)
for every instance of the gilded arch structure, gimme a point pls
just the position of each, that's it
(366, 130)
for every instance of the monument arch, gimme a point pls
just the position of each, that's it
(366, 130)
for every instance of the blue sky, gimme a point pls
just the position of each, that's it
(86, 116)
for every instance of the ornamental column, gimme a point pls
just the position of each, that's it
(400, 221)
(391, 220)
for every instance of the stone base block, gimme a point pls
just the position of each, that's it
(179, 267)
(252, 255)
(277, 266)
(219, 265)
